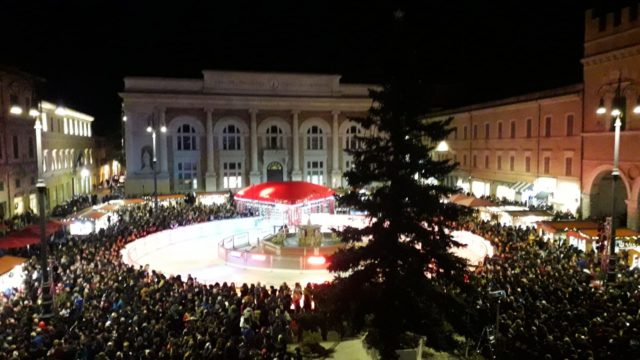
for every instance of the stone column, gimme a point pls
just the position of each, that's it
(585, 205)
(255, 177)
(210, 178)
(633, 222)
(336, 175)
(296, 174)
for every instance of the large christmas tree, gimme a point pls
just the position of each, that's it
(398, 272)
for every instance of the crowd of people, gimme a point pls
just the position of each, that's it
(553, 305)
(105, 309)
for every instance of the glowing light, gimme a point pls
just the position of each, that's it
(616, 112)
(316, 260)
(124, 118)
(636, 110)
(84, 172)
(149, 129)
(34, 113)
(601, 109)
(16, 110)
(442, 147)
(60, 111)
(258, 257)
(163, 129)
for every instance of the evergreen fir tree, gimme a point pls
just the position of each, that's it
(398, 271)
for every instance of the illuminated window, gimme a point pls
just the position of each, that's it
(315, 172)
(45, 122)
(66, 126)
(187, 172)
(232, 175)
(231, 138)
(351, 142)
(314, 138)
(45, 158)
(186, 138)
(275, 139)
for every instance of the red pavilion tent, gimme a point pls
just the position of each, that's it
(286, 199)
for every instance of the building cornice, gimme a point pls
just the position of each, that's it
(234, 102)
(611, 56)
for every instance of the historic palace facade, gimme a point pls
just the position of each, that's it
(555, 146)
(232, 129)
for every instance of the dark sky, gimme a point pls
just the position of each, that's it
(472, 50)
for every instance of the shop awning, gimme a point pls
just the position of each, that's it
(28, 236)
(521, 186)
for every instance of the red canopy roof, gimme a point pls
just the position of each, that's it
(284, 192)
(28, 236)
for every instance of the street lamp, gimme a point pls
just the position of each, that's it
(618, 108)
(46, 299)
(152, 127)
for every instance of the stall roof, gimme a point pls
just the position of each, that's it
(7, 263)
(562, 226)
(521, 213)
(620, 233)
(470, 201)
(94, 215)
(284, 192)
(28, 236)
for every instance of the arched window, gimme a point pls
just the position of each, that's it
(351, 142)
(314, 138)
(186, 138)
(274, 137)
(231, 139)
(54, 160)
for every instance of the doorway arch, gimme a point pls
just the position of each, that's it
(601, 194)
(275, 171)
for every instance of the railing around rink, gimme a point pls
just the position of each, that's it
(255, 256)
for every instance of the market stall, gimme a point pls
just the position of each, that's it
(557, 230)
(11, 274)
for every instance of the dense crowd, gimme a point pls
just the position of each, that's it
(105, 309)
(554, 308)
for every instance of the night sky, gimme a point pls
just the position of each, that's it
(470, 50)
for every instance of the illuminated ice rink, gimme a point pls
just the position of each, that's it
(193, 250)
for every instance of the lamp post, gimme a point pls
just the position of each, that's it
(152, 128)
(46, 299)
(617, 111)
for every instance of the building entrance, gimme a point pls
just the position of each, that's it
(275, 171)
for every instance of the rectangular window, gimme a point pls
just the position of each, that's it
(512, 163)
(499, 162)
(547, 126)
(16, 148)
(187, 173)
(464, 160)
(31, 150)
(529, 128)
(527, 164)
(455, 133)
(486, 161)
(569, 125)
(487, 128)
(315, 172)
(17, 183)
(499, 130)
(465, 133)
(232, 177)
(513, 130)
(3, 209)
(547, 164)
(475, 131)
(1, 185)
(475, 161)
(66, 126)
(568, 164)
